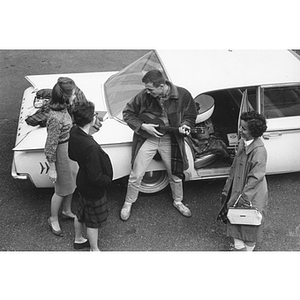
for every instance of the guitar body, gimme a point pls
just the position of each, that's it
(162, 128)
(152, 119)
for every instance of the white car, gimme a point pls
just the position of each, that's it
(217, 79)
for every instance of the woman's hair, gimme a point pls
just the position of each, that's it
(155, 77)
(61, 93)
(256, 122)
(83, 113)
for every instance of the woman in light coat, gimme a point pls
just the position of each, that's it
(247, 180)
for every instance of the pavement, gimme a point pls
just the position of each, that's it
(155, 225)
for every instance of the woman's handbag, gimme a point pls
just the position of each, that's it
(244, 216)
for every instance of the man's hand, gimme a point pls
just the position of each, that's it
(151, 129)
(184, 129)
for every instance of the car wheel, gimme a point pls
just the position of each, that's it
(154, 181)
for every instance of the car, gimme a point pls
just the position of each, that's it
(223, 84)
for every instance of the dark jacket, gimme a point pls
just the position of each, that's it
(95, 170)
(180, 108)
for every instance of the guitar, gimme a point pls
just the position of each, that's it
(162, 128)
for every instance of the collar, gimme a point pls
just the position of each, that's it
(82, 132)
(247, 143)
(173, 92)
(257, 142)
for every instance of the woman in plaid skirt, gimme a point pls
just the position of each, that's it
(93, 178)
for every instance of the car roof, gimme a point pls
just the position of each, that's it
(200, 71)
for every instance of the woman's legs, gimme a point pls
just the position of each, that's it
(67, 206)
(78, 231)
(56, 202)
(92, 234)
(249, 245)
(239, 244)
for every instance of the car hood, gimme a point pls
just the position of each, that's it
(201, 71)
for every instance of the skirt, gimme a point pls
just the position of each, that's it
(248, 233)
(92, 212)
(66, 172)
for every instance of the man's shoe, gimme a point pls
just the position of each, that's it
(125, 211)
(182, 209)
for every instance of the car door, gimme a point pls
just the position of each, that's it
(281, 106)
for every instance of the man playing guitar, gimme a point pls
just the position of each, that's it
(160, 116)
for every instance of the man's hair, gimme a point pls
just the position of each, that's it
(61, 93)
(256, 122)
(83, 113)
(155, 77)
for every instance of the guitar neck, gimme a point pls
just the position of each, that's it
(168, 128)
(174, 129)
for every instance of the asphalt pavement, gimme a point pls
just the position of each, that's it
(154, 225)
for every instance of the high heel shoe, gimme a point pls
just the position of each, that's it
(56, 232)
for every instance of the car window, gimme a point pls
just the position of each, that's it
(281, 101)
(127, 83)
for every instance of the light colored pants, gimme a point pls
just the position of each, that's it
(142, 161)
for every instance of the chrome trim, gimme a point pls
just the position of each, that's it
(266, 86)
(16, 175)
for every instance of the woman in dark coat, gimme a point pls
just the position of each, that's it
(247, 180)
(93, 178)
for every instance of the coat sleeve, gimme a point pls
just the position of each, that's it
(131, 112)
(70, 148)
(228, 182)
(189, 111)
(233, 167)
(53, 129)
(39, 117)
(256, 175)
(95, 167)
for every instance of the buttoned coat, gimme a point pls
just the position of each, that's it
(247, 178)
(95, 169)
